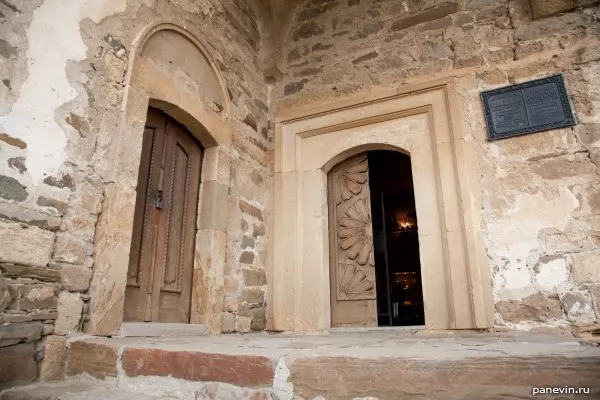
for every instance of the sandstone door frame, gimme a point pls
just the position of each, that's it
(147, 85)
(423, 121)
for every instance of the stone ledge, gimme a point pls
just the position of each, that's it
(349, 377)
(241, 370)
(546, 8)
(346, 364)
(44, 274)
(17, 365)
(157, 329)
(429, 15)
(95, 358)
(23, 332)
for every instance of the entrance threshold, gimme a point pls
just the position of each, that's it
(387, 364)
(358, 329)
(160, 329)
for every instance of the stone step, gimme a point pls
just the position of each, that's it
(113, 394)
(52, 391)
(156, 329)
(74, 389)
(383, 365)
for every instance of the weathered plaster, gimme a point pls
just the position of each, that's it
(54, 40)
(526, 216)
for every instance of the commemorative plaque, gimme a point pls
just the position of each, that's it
(528, 107)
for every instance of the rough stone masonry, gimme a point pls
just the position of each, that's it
(61, 88)
(62, 73)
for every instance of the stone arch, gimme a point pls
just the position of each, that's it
(148, 83)
(149, 41)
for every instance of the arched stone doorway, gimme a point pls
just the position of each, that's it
(152, 81)
(374, 266)
(309, 143)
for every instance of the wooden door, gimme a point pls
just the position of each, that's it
(159, 280)
(352, 266)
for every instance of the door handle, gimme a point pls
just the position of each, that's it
(158, 202)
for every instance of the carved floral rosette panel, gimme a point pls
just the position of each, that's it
(355, 272)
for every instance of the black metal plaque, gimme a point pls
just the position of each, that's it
(528, 107)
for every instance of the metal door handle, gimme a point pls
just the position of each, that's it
(158, 202)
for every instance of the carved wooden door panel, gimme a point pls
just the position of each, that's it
(352, 266)
(159, 280)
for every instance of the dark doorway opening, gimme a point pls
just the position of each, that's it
(396, 242)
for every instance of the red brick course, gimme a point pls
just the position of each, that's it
(241, 370)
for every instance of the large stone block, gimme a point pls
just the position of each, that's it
(12, 189)
(578, 306)
(209, 265)
(37, 297)
(63, 391)
(70, 307)
(545, 8)
(473, 378)
(243, 324)
(88, 197)
(228, 323)
(69, 249)
(52, 367)
(568, 166)
(23, 212)
(249, 209)
(96, 359)
(216, 165)
(5, 296)
(17, 365)
(24, 332)
(595, 292)
(60, 206)
(235, 369)
(585, 267)
(25, 245)
(424, 16)
(253, 295)
(551, 26)
(536, 307)
(24, 271)
(231, 303)
(81, 226)
(257, 316)
(254, 277)
(111, 247)
(307, 30)
(213, 206)
(75, 278)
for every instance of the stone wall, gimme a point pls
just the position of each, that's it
(540, 192)
(60, 107)
(62, 72)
